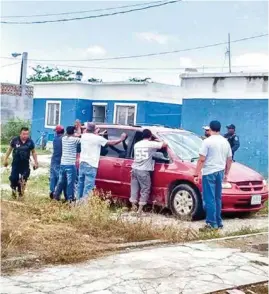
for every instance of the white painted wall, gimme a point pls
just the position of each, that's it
(110, 91)
(236, 87)
(228, 86)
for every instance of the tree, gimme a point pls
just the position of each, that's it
(94, 80)
(139, 80)
(12, 128)
(50, 74)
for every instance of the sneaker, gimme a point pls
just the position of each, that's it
(207, 228)
(51, 195)
(220, 227)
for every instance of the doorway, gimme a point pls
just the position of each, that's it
(99, 112)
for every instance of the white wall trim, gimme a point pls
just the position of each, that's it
(99, 104)
(46, 114)
(124, 104)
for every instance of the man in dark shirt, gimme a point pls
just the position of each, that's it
(22, 146)
(56, 158)
(232, 138)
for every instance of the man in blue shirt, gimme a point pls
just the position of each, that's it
(56, 159)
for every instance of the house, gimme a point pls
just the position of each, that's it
(145, 103)
(238, 98)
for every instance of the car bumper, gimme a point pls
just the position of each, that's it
(241, 202)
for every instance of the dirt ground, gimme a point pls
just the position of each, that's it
(255, 244)
(251, 289)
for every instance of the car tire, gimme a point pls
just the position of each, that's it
(186, 203)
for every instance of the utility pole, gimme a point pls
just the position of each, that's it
(23, 68)
(229, 53)
(23, 74)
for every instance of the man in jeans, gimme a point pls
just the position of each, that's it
(56, 159)
(142, 168)
(215, 162)
(91, 143)
(68, 171)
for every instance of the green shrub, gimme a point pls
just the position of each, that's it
(12, 128)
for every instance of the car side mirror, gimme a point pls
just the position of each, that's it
(160, 158)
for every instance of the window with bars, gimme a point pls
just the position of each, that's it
(53, 110)
(125, 114)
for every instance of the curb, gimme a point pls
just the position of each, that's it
(230, 237)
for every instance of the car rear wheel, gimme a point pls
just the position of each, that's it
(186, 203)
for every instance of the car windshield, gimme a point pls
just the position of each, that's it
(185, 145)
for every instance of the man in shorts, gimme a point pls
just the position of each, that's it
(142, 168)
(22, 146)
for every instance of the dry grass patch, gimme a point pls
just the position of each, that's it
(53, 232)
(58, 233)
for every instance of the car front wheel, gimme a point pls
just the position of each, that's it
(186, 203)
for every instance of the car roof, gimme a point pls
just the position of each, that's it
(154, 129)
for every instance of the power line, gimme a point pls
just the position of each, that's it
(144, 68)
(10, 64)
(149, 54)
(92, 16)
(83, 11)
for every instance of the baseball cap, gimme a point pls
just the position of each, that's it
(231, 126)
(207, 128)
(58, 128)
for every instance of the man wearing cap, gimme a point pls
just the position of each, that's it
(232, 138)
(91, 143)
(56, 158)
(207, 132)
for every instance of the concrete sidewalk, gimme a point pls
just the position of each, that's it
(187, 269)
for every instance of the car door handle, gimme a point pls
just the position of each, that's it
(117, 164)
(128, 165)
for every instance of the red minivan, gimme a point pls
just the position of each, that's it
(172, 180)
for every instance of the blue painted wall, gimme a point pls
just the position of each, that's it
(250, 117)
(148, 113)
(68, 115)
(166, 114)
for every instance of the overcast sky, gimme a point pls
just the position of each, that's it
(181, 25)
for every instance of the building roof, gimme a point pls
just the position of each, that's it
(223, 75)
(120, 83)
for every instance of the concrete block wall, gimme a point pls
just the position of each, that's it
(250, 117)
(16, 102)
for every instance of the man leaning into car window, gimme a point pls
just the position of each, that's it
(142, 167)
(91, 143)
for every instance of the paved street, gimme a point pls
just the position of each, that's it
(191, 268)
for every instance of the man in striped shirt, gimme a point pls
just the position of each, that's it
(68, 171)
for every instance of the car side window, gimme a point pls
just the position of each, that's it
(120, 150)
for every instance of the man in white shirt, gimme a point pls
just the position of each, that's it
(91, 144)
(142, 168)
(215, 162)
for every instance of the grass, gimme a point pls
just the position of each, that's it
(55, 233)
(264, 211)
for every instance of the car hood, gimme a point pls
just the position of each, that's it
(242, 173)
(238, 172)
